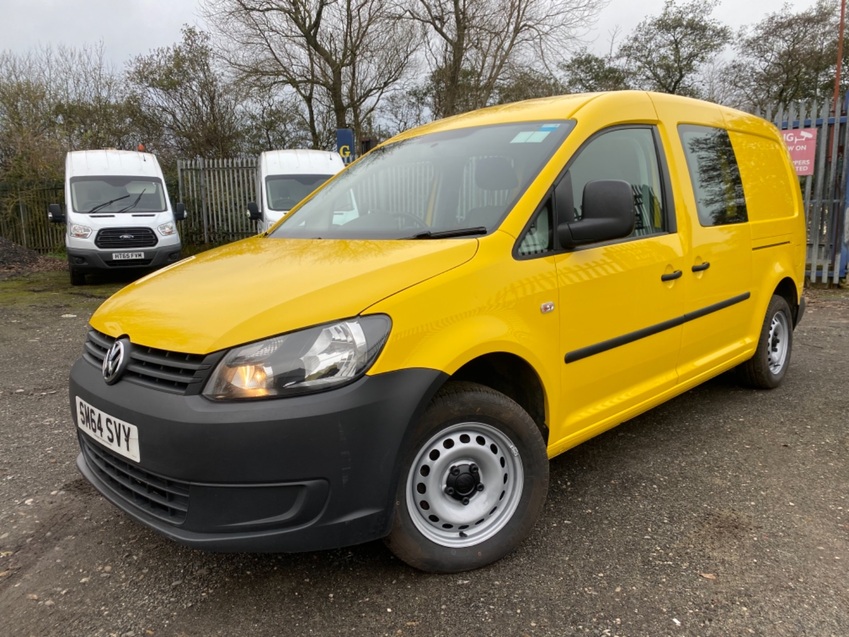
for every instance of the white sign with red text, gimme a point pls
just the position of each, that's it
(802, 144)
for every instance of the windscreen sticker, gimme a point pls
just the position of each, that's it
(535, 137)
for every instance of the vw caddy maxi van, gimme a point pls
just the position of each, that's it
(513, 282)
(117, 213)
(285, 177)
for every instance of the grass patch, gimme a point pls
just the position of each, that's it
(52, 289)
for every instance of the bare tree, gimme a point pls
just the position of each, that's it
(57, 99)
(93, 108)
(472, 45)
(336, 56)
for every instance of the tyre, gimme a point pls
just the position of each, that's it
(77, 277)
(766, 369)
(473, 483)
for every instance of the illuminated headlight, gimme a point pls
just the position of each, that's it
(166, 229)
(80, 231)
(306, 361)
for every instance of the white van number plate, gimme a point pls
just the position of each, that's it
(119, 436)
(127, 256)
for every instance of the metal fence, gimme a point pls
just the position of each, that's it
(23, 216)
(216, 193)
(824, 191)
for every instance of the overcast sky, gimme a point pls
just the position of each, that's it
(128, 28)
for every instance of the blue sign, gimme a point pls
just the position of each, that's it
(345, 144)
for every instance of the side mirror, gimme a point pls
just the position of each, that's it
(55, 214)
(179, 211)
(608, 213)
(253, 211)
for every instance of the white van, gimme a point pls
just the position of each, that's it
(117, 213)
(285, 177)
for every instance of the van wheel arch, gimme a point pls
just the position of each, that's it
(472, 482)
(514, 377)
(768, 366)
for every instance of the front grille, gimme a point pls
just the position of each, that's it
(173, 372)
(119, 238)
(167, 500)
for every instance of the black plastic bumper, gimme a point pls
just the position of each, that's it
(91, 261)
(286, 475)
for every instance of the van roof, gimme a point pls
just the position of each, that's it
(564, 107)
(300, 161)
(111, 162)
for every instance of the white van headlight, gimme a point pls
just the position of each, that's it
(305, 361)
(80, 231)
(166, 229)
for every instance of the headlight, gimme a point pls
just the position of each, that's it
(309, 360)
(80, 231)
(166, 229)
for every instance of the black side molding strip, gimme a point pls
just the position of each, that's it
(598, 348)
(771, 245)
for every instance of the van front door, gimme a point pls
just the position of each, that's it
(621, 302)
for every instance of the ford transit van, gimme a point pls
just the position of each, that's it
(504, 285)
(117, 213)
(285, 177)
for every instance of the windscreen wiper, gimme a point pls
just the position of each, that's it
(446, 234)
(106, 203)
(133, 205)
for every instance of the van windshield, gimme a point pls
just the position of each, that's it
(117, 194)
(284, 191)
(450, 183)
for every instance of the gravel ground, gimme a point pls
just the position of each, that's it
(724, 512)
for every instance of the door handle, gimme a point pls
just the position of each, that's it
(671, 276)
(701, 267)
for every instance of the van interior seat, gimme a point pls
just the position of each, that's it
(492, 175)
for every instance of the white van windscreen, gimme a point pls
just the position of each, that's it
(116, 194)
(453, 183)
(285, 191)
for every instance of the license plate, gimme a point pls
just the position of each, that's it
(119, 436)
(127, 256)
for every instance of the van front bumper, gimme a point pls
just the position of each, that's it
(90, 261)
(286, 475)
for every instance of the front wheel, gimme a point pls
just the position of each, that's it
(473, 485)
(767, 368)
(77, 277)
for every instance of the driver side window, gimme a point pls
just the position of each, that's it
(627, 154)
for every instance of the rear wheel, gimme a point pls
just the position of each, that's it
(473, 485)
(767, 368)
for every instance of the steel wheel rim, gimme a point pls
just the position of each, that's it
(778, 342)
(442, 517)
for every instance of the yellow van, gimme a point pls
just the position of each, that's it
(401, 355)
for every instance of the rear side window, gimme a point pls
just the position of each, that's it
(715, 175)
